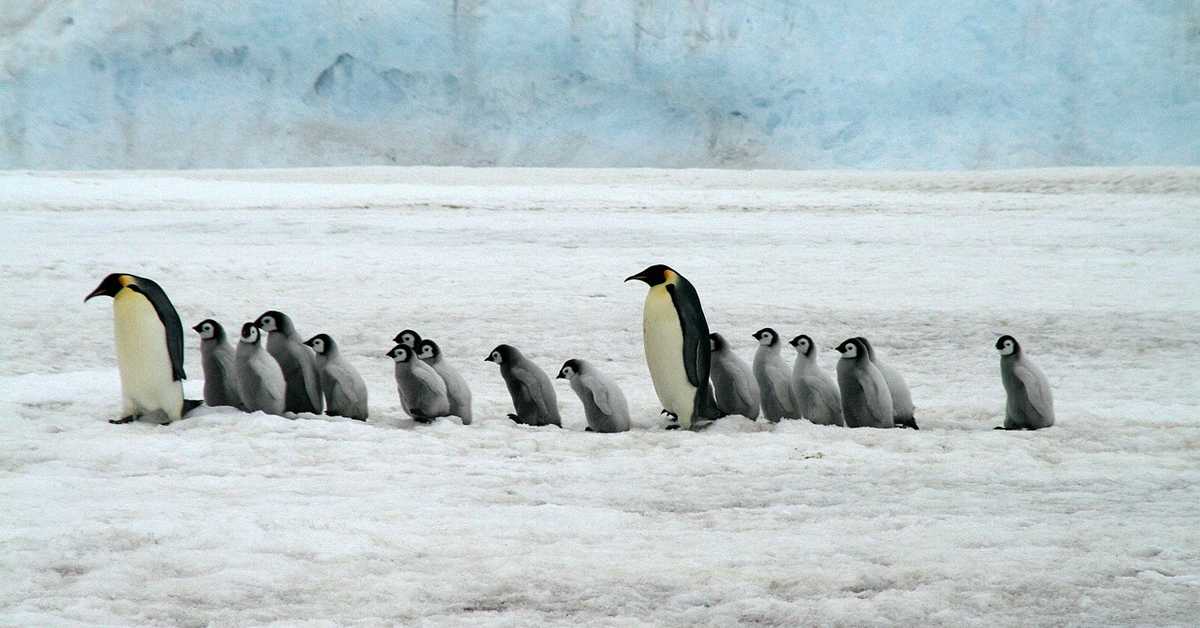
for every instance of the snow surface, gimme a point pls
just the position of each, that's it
(233, 519)
(765, 83)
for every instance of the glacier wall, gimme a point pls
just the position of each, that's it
(755, 83)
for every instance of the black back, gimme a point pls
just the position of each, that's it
(170, 321)
(697, 355)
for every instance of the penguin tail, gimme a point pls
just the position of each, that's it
(189, 405)
(908, 422)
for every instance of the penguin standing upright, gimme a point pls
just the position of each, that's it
(149, 342)
(297, 361)
(261, 385)
(816, 393)
(1030, 404)
(675, 334)
(902, 404)
(774, 378)
(866, 401)
(456, 385)
(734, 385)
(217, 358)
(533, 396)
(344, 389)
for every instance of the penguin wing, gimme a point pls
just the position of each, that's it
(430, 382)
(340, 388)
(695, 331)
(824, 391)
(170, 322)
(741, 386)
(874, 391)
(781, 388)
(1037, 388)
(599, 390)
(532, 388)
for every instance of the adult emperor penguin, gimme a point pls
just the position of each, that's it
(774, 378)
(422, 391)
(456, 386)
(814, 389)
(344, 389)
(261, 385)
(604, 404)
(902, 405)
(1030, 404)
(217, 358)
(149, 342)
(297, 361)
(734, 384)
(532, 393)
(675, 334)
(866, 401)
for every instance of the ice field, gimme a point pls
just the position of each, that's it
(233, 519)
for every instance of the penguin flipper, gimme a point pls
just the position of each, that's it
(123, 420)
(170, 322)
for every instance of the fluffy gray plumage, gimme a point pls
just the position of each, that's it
(259, 379)
(774, 378)
(866, 401)
(344, 389)
(297, 361)
(532, 393)
(815, 391)
(734, 383)
(422, 391)
(1030, 403)
(902, 404)
(457, 389)
(604, 404)
(217, 357)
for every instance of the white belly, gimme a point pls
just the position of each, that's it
(663, 337)
(147, 385)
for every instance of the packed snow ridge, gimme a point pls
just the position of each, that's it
(227, 518)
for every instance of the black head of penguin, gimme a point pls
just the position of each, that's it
(428, 349)
(251, 333)
(852, 349)
(321, 344)
(654, 275)
(807, 344)
(210, 329)
(1006, 342)
(503, 354)
(569, 368)
(767, 336)
(274, 320)
(112, 284)
(408, 338)
(716, 342)
(400, 353)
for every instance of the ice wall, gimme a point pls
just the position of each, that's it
(762, 83)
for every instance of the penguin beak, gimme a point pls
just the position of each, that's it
(560, 375)
(488, 359)
(196, 328)
(639, 277)
(397, 339)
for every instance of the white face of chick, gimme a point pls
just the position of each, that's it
(408, 340)
(268, 323)
(568, 373)
(250, 335)
(496, 357)
(400, 354)
(850, 351)
(1007, 347)
(318, 345)
(766, 339)
(802, 346)
(207, 332)
(426, 352)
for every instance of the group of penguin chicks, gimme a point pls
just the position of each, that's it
(285, 374)
(272, 370)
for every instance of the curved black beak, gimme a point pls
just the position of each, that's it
(639, 277)
(488, 359)
(560, 375)
(196, 328)
(794, 341)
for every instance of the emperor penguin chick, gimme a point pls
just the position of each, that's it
(1030, 404)
(734, 384)
(220, 370)
(344, 389)
(866, 401)
(815, 391)
(604, 404)
(260, 380)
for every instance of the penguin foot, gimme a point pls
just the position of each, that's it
(189, 405)
(588, 429)
(674, 426)
(515, 417)
(123, 420)
(670, 415)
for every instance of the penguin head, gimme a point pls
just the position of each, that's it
(1007, 345)
(251, 333)
(503, 354)
(655, 275)
(322, 344)
(802, 343)
(210, 330)
(400, 353)
(867, 347)
(428, 349)
(408, 338)
(766, 337)
(716, 342)
(113, 284)
(852, 349)
(570, 369)
(274, 320)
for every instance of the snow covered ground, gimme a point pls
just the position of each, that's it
(235, 519)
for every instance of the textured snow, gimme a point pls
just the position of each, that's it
(234, 519)
(792, 84)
